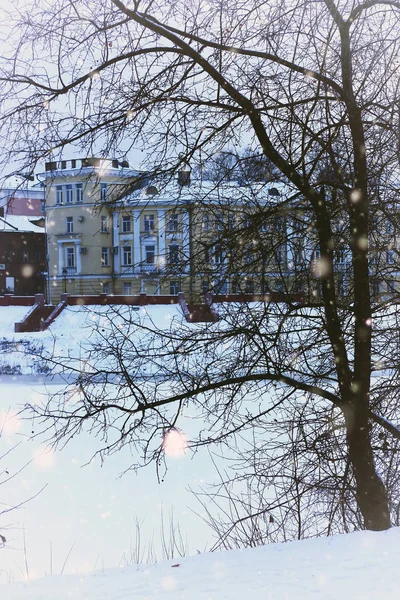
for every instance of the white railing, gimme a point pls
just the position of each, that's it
(148, 268)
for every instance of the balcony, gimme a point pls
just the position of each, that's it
(148, 268)
(68, 271)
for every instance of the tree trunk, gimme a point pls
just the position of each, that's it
(370, 491)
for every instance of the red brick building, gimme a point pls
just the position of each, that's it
(17, 201)
(22, 255)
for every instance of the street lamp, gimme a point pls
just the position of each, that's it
(65, 273)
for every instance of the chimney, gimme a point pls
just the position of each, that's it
(183, 177)
(2, 211)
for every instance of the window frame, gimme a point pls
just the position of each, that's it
(59, 194)
(127, 288)
(105, 256)
(149, 220)
(103, 192)
(206, 222)
(104, 224)
(69, 194)
(70, 255)
(126, 254)
(390, 257)
(126, 224)
(174, 287)
(78, 193)
(174, 254)
(148, 254)
(69, 224)
(173, 223)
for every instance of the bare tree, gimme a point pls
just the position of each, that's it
(313, 88)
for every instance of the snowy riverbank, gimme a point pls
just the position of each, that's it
(358, 565)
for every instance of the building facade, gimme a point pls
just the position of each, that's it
(23, 201)
(22, 256)
(111, 230)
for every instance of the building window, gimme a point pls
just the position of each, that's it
(106, 287)
(78, 192)
(389, 227)
(103, 192)
(105, 257)
(70, 251)
(126, 224)
(248, 256)
(127, 288)
(70, 224)
(59, 194)
(9, 254)
(342, 287)
(206, 222)
(391, 287)
(249, 286)
(281, 255)
(340, 257)
(390, 257)
(247, 222)
(375, 258)
(149, 252)
(316, 254)
(104, 224)
(278, 223)
(173, 254)
(376, 288)
(205, 286)
(218, 256)
(235, 286)
(68, 194)
(173, 222)
(25, 255)
(38, 256)
(148, 222)
(126, 256)
(174, 288)
(219, 222)
(298, 257)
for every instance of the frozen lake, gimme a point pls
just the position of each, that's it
(86, 507)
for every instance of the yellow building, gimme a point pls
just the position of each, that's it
(100, 243)
(111, 230)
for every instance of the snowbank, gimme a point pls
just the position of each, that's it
(358, 565)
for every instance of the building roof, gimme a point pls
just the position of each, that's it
(19, 223)
(199, 191)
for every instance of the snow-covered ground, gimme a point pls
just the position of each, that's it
(74, 327)
(357, 566)
(92, 512)
(89, 508)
